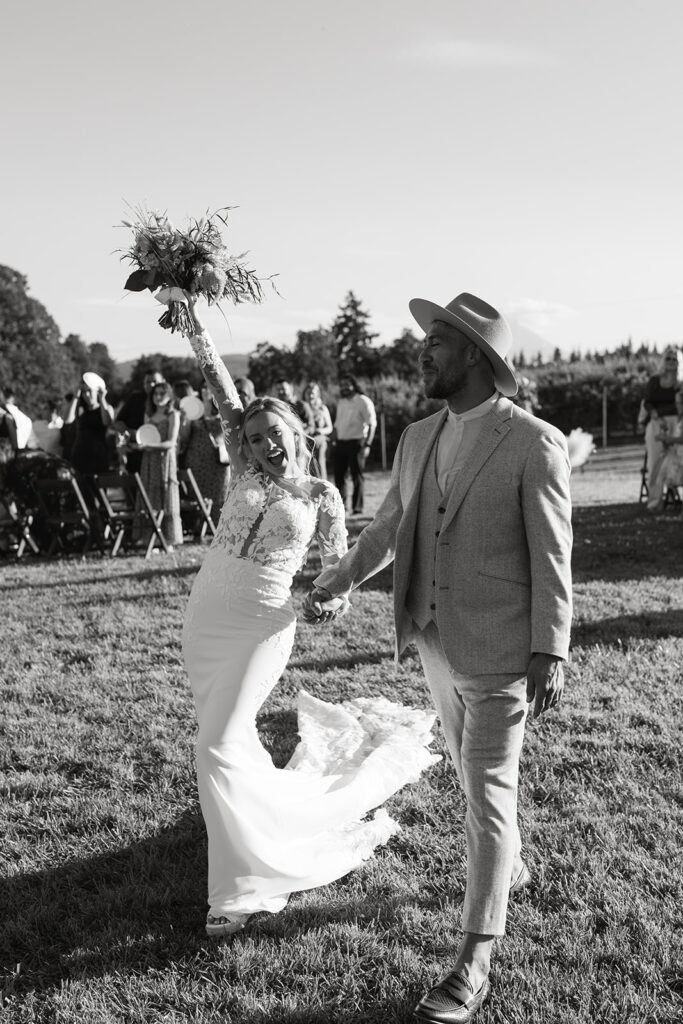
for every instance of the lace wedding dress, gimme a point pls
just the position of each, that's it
(275, 831)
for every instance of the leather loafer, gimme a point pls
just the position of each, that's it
(452, 1001)
(522, 881)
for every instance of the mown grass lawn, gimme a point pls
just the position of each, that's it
(103, 878)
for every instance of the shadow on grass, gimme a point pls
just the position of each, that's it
(619, 632)
(141, 908)
(177, 571)
(625, 541)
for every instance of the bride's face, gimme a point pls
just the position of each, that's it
(272, 444)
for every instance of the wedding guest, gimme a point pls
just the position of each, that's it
(131, 416)
(159, 464)
(182, 389)
(24, 424)
(322, 428)
(670, 472)
(8, 428)
(92, 416)
(285, 392)
(354, 429)
(245, 389)
(659, 401)
(207, 455)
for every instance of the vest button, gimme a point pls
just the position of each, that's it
(433, 607)
(442, 510)
(436, 534)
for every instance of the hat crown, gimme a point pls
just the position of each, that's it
(479, 322)
(484, 320)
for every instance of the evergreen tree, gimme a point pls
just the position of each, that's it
(401, 357)
(353, 337)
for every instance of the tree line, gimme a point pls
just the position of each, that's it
(41, 367)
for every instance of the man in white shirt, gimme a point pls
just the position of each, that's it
(354, 429)
(23, 423)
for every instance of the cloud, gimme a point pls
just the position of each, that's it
(477, 53)
(538, 314)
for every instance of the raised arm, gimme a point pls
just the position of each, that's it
(220, 384)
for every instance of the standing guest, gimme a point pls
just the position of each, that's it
(24, 424)
(322, 428)
(8, 428)
(659, 402)
(285, 392)
(183, 389)
(207, 456)
(159, 465)
(92, 416)
(245, 389)
(477, 520)
(131, 416)
(354, 429)
(670, 473)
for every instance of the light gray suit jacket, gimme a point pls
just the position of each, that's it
(504, 547)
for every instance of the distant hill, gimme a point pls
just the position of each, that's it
(237, 363)
(529, 343)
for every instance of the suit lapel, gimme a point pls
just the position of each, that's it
(403, 557)
(495, 427)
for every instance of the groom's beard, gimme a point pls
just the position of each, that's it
(444, 385)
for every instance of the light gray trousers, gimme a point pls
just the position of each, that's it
(483, 721)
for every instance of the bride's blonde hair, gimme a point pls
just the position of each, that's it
(303, 443)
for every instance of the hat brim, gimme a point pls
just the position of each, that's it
(426, 312)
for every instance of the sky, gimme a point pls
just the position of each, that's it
(528, 151)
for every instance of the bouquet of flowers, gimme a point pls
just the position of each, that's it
(194, 261)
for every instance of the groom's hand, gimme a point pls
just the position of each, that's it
(320, 606)
(544, 682)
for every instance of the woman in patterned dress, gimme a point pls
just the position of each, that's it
(206, 455)
(159, 467)
(274, 831)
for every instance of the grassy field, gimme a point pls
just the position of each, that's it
(103, 876)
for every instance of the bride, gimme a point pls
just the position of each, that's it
(275, 831)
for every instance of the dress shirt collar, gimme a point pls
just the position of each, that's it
(473, 414)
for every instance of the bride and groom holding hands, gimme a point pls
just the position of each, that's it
(477, 521)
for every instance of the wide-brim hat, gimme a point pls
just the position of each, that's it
(482, 324)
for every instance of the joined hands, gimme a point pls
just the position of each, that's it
(319, 606)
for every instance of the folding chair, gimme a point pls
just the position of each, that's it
(125, 508)
(65, 514)
(195, 509)
(644, 489)
(15, 528)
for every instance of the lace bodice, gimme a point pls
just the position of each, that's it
(274, 524)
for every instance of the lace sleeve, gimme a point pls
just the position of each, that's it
(223, 389)
(331, 531)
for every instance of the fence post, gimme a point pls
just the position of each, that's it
(604, 415)
(383, 438)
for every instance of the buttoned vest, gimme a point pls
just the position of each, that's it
(421, 598)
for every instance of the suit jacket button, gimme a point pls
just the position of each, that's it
(433, 607)
(441, 509)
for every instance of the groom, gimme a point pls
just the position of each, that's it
(477, 520)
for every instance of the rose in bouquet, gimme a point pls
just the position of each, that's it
(195, 261)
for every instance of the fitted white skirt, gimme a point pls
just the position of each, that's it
(274, 831)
